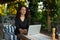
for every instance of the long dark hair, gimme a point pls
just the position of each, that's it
(27, 15)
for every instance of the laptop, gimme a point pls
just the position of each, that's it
(34, 29)
(34, 33)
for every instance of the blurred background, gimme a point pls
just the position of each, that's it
(44, 12)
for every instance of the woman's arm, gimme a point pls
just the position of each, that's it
(17, 23)
(28, 23)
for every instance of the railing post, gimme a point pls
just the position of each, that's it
(53, 34)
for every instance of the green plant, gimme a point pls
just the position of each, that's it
(56, 18)
(33, 5)
(44, 21)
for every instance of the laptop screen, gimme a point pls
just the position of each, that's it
(34, 29)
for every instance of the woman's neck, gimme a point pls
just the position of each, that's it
(22, 15)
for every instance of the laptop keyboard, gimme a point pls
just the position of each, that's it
(40, 37)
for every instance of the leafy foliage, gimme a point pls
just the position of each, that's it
(33, 5)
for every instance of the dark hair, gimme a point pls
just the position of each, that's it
(27, 15)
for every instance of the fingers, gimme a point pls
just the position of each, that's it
(23, 31)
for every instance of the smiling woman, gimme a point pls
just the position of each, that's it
(22, 21)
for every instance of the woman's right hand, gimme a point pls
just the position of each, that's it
(20, 29)
(23, 31)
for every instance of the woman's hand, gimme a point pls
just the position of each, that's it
(23, 31)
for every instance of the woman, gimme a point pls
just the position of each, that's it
(22, 21)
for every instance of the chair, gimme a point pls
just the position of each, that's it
(9, 27)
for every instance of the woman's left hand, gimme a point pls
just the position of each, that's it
(25, 30)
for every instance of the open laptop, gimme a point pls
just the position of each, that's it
(34, 29)
(34, 33)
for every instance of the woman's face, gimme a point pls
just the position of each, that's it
(23, 11)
